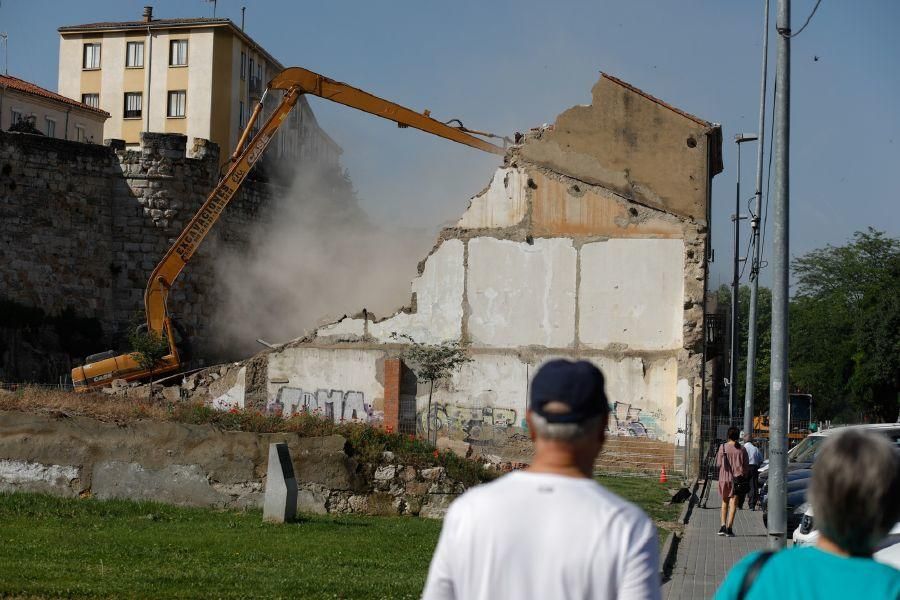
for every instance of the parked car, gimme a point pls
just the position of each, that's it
(887, 551)
(799, 470)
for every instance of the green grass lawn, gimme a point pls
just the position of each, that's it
(55, 547)
(651, 496)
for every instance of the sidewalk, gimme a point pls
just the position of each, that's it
(704, 558)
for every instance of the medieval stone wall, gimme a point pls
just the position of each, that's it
(82, 226)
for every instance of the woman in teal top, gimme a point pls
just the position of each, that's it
(855, 493)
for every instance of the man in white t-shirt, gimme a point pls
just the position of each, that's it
(550, 532)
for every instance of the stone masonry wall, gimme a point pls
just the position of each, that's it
(199, 465)
(82, 226)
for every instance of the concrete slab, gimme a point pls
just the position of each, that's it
(634, 294)
(280, 504)
(439, 296)
(521, 294)
(502, 204)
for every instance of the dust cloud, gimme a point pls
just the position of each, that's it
(313, 257)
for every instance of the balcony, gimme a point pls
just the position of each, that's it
(255, 85)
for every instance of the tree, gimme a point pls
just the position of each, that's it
(845, 327)
(148, 348)
(763, 342)
(433, 362)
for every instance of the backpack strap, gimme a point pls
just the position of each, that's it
(753, 572)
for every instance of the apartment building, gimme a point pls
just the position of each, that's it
(50, 113)
(200, 77)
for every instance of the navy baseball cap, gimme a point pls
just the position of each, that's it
(578, 385)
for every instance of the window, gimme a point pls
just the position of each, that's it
(251, 70)
(92, 100)
(91, 56)
(79, 133)
(133, 105)
(16, 116)
(243, 66)
(177, 101)
(51, 127)
(134, 55)
(241, 114)
(178, 53)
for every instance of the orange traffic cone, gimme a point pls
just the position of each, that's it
(662, 475)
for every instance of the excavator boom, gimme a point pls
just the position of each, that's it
(294, 81)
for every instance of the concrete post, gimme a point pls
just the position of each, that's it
(755, 232)
(280, 504)
(778, 380)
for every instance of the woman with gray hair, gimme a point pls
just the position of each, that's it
(855, 494)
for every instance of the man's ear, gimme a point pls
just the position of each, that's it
(530, 424)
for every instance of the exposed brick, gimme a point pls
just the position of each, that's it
(392, 372)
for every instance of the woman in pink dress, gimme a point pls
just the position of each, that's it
(733, 462)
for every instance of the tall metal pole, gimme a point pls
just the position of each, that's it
(733, 398)
(778, 382)
(735, 306)
(754, 232)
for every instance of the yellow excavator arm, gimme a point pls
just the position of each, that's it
(293, 82)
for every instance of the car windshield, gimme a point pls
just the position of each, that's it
(807, 449)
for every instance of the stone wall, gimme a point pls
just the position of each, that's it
(82, 226)
(199, 465)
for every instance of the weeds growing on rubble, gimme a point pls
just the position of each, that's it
(365, 442)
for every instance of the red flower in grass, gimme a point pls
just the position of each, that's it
(436, 454)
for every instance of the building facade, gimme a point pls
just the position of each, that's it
(51, 114)
(198, 77)
(590, 242)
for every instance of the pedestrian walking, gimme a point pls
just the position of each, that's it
(854, 489)
(550, 531)
(754, 458)
(731, 458)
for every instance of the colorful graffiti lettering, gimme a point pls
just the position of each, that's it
(337, 405)
(625, 420)
(477, 425)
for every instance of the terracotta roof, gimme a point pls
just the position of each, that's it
(167, 24)
(143, 24)
(14, 83)
(624, 84)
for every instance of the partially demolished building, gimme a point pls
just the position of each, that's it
(589, 242)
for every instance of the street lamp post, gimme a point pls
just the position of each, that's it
(735, 282)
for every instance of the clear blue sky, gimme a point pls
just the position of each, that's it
(509, 65)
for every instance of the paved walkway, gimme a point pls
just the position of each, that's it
(704, 558)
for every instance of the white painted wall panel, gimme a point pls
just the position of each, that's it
(439, 296)
(502, 204)
(521, 294)
(346, 379)
(632, 293)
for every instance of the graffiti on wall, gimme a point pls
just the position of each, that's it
(626, 420)
(480, 425)
(337, 405)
